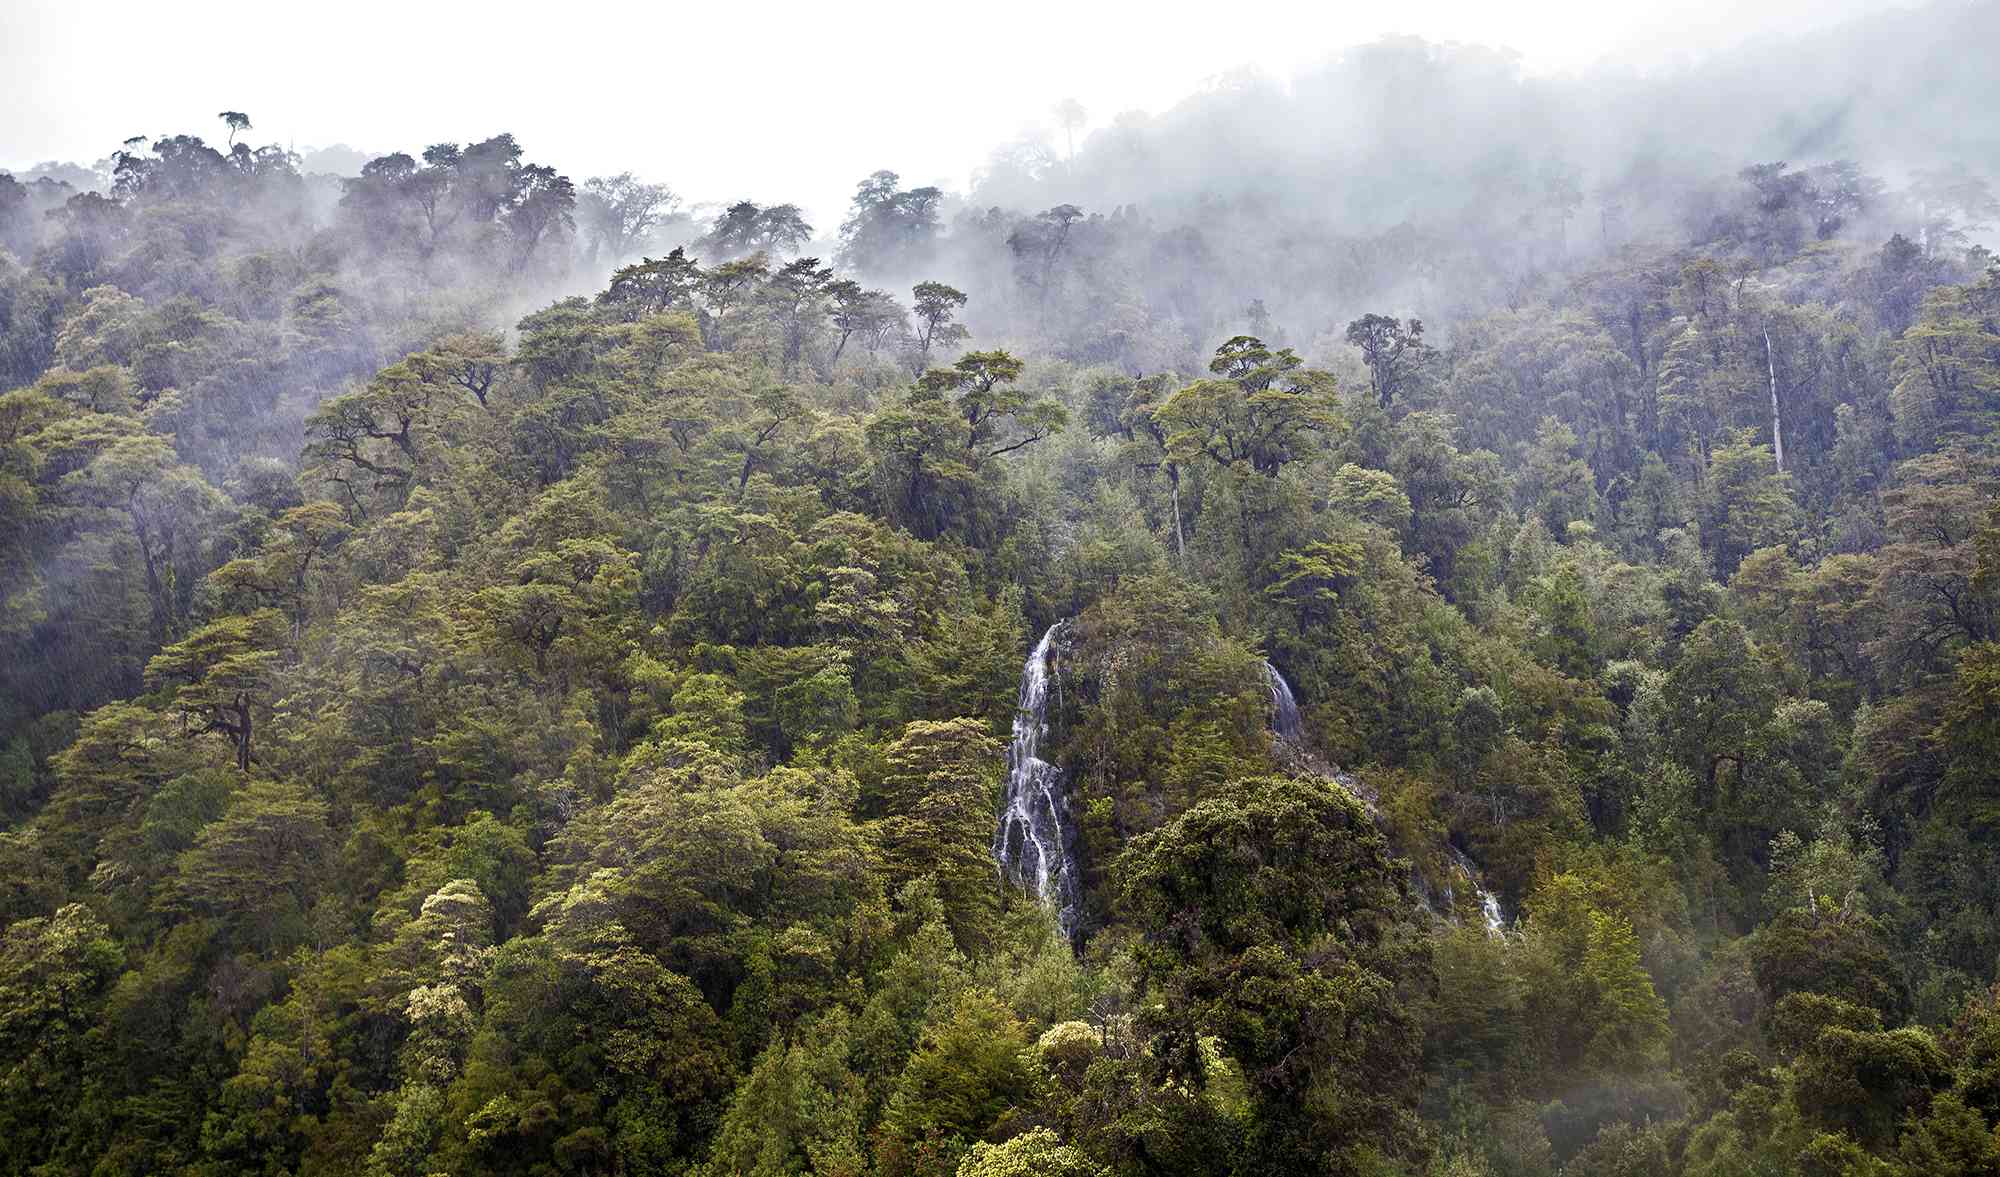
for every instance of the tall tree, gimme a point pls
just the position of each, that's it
(1395, 353)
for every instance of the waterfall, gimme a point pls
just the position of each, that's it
(1284, 708)
(1035, 843)
(1489, 903)
(1290, 730)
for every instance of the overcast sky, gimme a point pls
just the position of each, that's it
(772, 101)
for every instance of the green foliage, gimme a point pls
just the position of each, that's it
(967, 1072)
(1276, 925)
(435, 745)
(1032, 1153)
(938, 796)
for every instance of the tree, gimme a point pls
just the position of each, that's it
(55, 974)
(1835, 952)
(1037, 1152)
(167, 506)
(376, 443)
(618, 212)
(967, 1073)
(1557, 487)
(937, 799)
(890, 231)
(745, 228)
(800, 1109)
(1948, 365)
(1263, 410)
(799, 294)
(1069, 116)
(871, 315)
(258, 868)
(1719, 696)
(1394, 352)
(1038, 245)
(1126, 408)
(470, 360)
(936, 304)
(590, 1050)
(1929, 598)
(543, 202)
(19, 232)
(982, 384)
(1588, 998)
(650, 287)
(1273, 923)
(1746, 503)
(237, 123)
(220, 675)
(1865, 1083)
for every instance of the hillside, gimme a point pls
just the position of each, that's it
(1467, 648)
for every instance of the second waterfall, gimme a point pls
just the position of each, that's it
(1035, 844)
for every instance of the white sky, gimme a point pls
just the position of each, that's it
(768, 100)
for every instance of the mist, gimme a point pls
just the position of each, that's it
(927, 591)
(832, 97)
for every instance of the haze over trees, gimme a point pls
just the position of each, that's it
(504, 672)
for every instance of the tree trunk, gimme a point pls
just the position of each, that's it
(243, 732)
(156, 589)
(1180, 536)
(837, 349)
(1777, 424)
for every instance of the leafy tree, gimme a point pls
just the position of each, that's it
(1276, 928)
(800, 1109)
(890, 230)
(938, 796)
(935, 305)
(1746, 504)
(967, 1073)
(745, 228)
(1037, 1151)
(620, 211)
(259, 867)
(55, 974)
(1394, 352)
(868, 315)
(220, 676)
(1262, 410)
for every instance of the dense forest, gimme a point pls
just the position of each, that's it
(1500, 644)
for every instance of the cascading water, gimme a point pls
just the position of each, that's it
(1287, 725)
(1284, 708)
(1489, 903)
(1035, 844)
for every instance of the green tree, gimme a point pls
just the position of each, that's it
(1745, 504)
(937, 797)
(968, 1072)
(1394, 352)
(1034, 1153)
(935, 306)
(260, 867)
(55, 973)
(1274, 924)
(220, 676)
(1263, 410)
(620, 211)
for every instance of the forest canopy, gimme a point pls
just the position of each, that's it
(510, 673)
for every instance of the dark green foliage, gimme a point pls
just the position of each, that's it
(441, 740)
(1276, 926)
